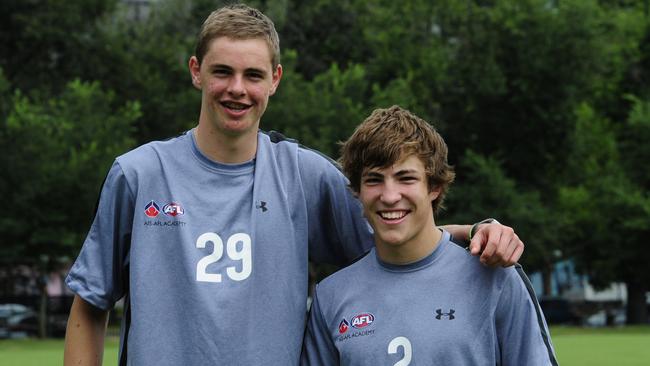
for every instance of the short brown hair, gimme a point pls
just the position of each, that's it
(388, 136)
(238, 21)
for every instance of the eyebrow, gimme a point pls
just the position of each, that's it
(399, 173)
(224, 66)
(372, 174)
(406, 172)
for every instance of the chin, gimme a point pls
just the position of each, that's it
(391, 241)
(238, 127)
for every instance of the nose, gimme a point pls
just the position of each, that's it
(236, 86)
(390, 194)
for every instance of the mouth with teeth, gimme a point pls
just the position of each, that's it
(235, 106)
(393, 216)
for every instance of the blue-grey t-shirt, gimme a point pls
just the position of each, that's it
(446, 309)
(212, 259)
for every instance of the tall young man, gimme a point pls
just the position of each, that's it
(417, 298)
(207, 236)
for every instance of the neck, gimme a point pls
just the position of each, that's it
(228, 149)
(412, 251)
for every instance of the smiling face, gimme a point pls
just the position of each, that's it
(397, 203)
(236, 78)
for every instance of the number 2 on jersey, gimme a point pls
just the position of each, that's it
(406, 346)
(232, 250)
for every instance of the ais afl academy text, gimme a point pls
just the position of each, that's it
(169, 215)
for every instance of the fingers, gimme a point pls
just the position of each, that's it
(505, 247)
(477, 244)
(497, 244)
(493, 249)
(508, 253)
(519, 250)
(484, 241)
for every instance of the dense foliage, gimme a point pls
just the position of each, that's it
(545, 106)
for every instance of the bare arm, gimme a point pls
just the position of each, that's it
(84, 337)
(460, 232)
(497, 244)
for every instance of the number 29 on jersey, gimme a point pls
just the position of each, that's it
(237, 248)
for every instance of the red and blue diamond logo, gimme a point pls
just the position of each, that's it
(151, 209)
(343, 326)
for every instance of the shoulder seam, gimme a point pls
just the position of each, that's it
(126, 179)
(277, 137)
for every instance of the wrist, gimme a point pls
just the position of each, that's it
(475, 227)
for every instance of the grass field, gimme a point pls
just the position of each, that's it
(628, 346)
(33, 352)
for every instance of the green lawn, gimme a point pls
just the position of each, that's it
(32, 352)
(629, 346)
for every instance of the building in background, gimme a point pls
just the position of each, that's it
(574, 300)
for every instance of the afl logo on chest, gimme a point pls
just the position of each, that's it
(173, 209)
(362, 320)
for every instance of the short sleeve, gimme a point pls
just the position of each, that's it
(100, 273)
(338, 232)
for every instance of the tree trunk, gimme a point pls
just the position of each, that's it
(637, 309)
(42, 312)
(547, 280)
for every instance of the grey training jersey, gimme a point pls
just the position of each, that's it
(212, 258)
(446, 309)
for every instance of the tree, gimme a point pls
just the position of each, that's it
(46, 43)
(60, 150)
(605, 209)
(520, 69)
(319, 113)
(483, 186)
(320, 31)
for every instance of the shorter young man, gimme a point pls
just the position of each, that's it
(417, 298)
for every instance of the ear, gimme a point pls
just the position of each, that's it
(275, 79)
(434, 193)
(195, 72)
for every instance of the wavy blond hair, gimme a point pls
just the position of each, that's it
(388, 136)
